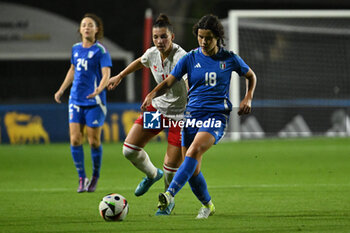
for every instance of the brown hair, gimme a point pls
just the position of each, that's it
(163, 21)
(99, 24)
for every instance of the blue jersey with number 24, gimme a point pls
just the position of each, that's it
(209, 78)
(88, 63)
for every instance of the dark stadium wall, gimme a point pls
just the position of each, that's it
(124, 26)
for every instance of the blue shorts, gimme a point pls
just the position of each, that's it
(212, 122)
(92, 116)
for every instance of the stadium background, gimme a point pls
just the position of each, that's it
(273, 185)
(30, 84)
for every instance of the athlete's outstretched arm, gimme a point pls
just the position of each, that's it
(132, 67)
(106, 73)
(245, 106)
(160, 89)
(67, 81)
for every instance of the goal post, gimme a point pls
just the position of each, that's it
(322, 30)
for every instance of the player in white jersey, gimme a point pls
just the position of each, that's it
(161, 59)
(209, 70)
(171, 104)
(89, 72)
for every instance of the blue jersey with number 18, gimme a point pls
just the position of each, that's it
(88, 63)
(209, 78)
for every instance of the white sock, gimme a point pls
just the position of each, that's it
(140, 159)
(169, 173)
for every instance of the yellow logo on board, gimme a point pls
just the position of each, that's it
(25, 128)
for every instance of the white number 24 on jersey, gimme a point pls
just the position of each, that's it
(210, 79)
(82, 63)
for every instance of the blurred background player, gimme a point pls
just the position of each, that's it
(161, 59)
(89, 72)
(208, 70)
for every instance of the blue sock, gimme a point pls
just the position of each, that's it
(182, 175)
(78, 159)
(199, 188)
(96, 157)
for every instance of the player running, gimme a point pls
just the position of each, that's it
(89, 72)
(209, 69)
(161, 59)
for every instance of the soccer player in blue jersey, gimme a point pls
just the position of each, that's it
(89, 72)
(208, 70)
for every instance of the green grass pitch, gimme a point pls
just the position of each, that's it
(300, 185)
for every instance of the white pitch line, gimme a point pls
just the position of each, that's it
(237, 186)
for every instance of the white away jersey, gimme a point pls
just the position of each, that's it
(174, 101)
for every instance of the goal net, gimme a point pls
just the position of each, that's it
(302, 62)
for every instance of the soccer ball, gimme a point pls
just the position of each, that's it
(113, 207)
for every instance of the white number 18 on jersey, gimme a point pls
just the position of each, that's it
(210, 79)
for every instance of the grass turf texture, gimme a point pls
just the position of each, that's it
(256, 186)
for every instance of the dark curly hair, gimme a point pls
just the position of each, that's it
(211, 22)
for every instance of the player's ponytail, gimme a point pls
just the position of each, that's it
(163, 22)
(211, 22)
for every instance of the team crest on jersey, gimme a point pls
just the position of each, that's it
(222, 65)
(76, 54)
(155, 68)
(90, 54)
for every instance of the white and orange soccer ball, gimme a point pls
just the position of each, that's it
(113, 207)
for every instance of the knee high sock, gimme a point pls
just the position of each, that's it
(78, 159)
(183, 174)
(169, 173)
(199, 188)
(140, 159)
(96, 157)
